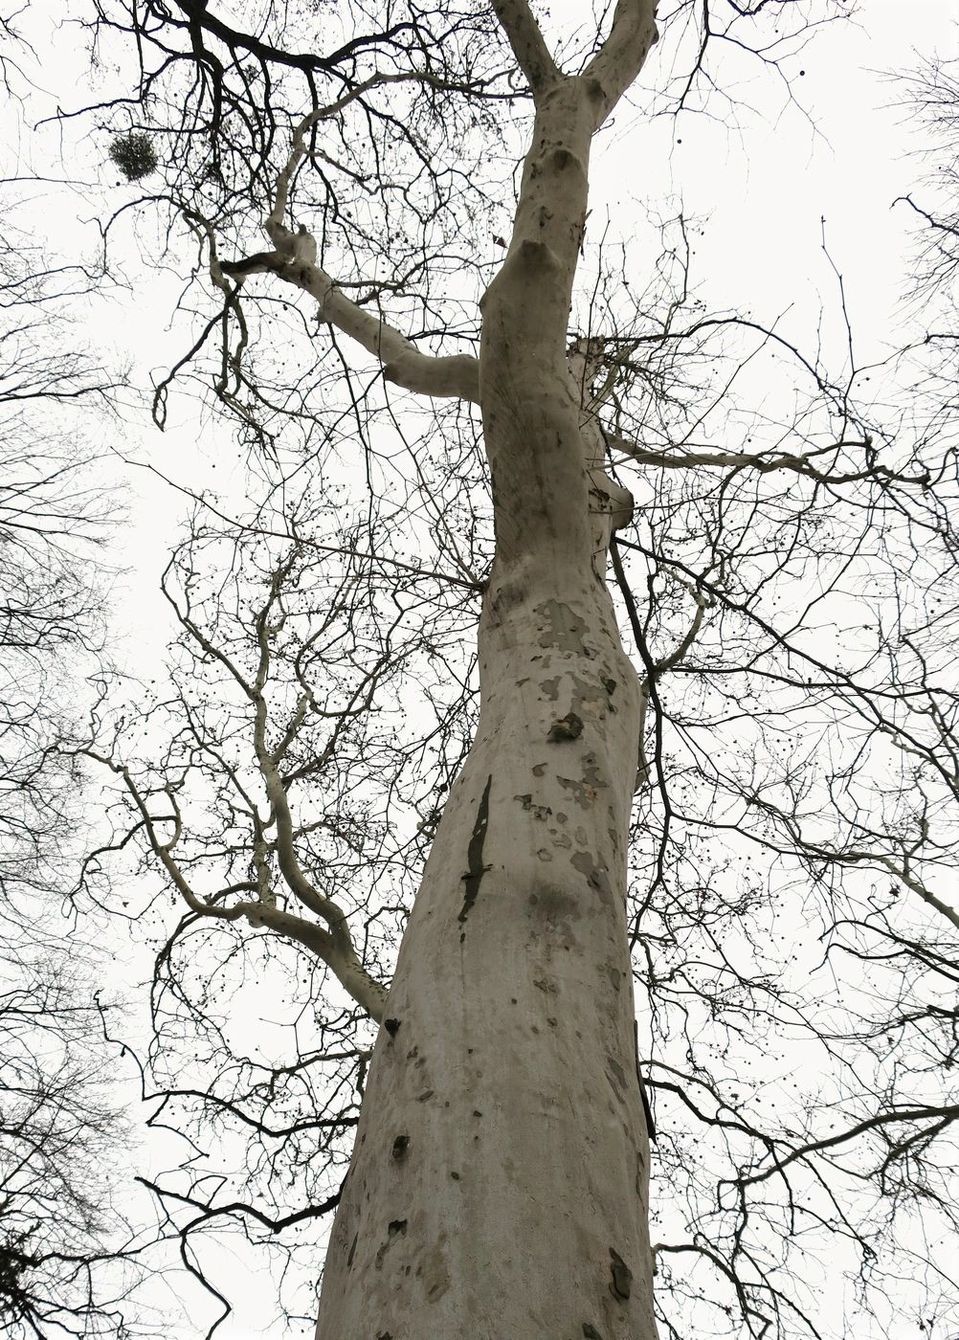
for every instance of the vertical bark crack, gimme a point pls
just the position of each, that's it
(475, 869)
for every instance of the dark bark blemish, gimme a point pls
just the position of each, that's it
(400, 1146)
(425, 1095)
(622, 1276)
(555, 907)
(474, 857)
(569, 727)
(590, 1332)
(535, 256)
(616, 1076)
(392, 1026)
(539, 769)
(396, 1226)
(609, 685)
(352, 1253)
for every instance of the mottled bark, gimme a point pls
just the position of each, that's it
(499, 1182)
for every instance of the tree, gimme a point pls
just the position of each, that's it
(932, 93)
(498, 1179)
(59, 1122)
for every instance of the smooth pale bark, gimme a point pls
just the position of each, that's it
(498, 1186)
(499, 1182)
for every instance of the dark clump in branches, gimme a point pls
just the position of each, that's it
(134, 155)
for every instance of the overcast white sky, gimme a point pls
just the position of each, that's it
(762, 193)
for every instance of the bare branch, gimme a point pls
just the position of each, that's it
(524, 35)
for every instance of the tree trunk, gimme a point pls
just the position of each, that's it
(498, 1186)
(499, 1182)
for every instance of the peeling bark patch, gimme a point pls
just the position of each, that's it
(622, 1277)
(563, 627)
(583, 795)
(396, 1227)
(537, 811)
(474, 857)
(596, 876)
(569, 727)
(551, 688)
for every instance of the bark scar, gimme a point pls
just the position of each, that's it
(622, 1276)
(474, 857)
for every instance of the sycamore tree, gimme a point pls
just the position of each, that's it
(558, 721)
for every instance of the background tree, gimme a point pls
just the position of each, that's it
(784, 701)
(59, 1123)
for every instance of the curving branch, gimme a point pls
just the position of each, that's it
(293, 260)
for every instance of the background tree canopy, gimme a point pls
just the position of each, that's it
(333, 188)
